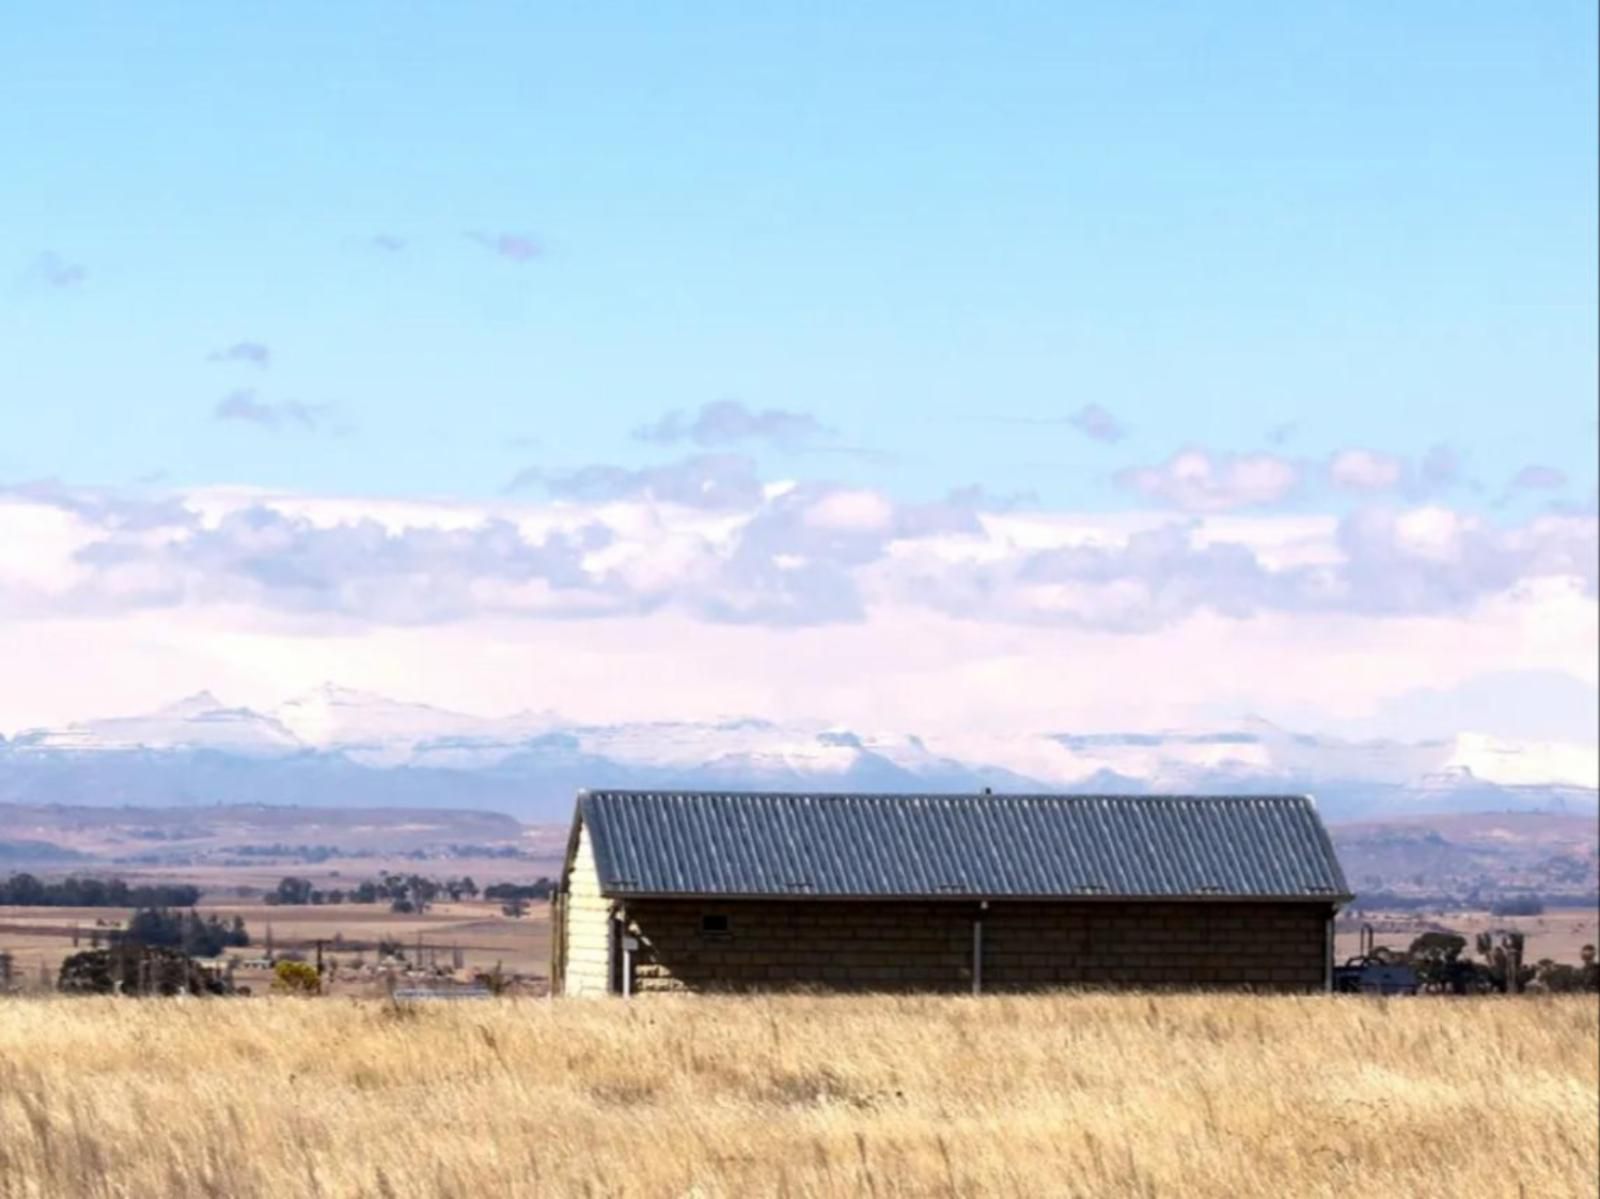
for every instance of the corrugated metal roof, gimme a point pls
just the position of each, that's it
(943, 846)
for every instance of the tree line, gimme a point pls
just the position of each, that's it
(198, 936)
(1443, 964)
(27, 891)
(406, 893)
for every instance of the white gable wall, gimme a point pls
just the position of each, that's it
(587, 916)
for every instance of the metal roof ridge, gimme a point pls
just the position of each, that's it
(1164, 796)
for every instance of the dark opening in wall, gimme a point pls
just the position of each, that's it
(715, 924)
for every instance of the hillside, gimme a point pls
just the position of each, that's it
(54, 834)
(1544, 853)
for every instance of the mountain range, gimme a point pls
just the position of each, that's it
(339, 747)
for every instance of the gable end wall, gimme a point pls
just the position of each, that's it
(586, 916)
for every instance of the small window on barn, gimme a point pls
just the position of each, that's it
(715, 924)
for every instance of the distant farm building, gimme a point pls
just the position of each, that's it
(671, 891)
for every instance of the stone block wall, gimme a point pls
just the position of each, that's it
(927, 946)
(1263, 947)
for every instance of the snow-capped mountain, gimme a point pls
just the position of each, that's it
(343, 747)
(196, 722)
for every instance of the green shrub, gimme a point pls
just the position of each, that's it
(296, 978)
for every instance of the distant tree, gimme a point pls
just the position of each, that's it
(23, 890)
(1503, 968)
(1517, 905)
(291, 890)
(196, 935)
(1436, 957)
(540, 888)
(154, 926)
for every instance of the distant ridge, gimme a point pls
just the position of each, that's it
(339, 747)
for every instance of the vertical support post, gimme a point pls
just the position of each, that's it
(558, 940)
(1327, 952)
(625, 946)
(977, 949)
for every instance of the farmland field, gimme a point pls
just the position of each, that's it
(1050, 1095)
(39, 938)
(1558, 933)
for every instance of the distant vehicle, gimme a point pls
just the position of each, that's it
(1374, 971)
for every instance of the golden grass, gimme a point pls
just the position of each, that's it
(802, 1096)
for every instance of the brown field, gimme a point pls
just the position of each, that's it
(39, 938)
(1104, 1096)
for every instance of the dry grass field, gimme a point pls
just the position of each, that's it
(1135, 1096)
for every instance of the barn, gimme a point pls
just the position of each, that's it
(676, 891)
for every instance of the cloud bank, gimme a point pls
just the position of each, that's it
(701, 591)
(707, 539)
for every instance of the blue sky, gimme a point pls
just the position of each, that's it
(991, 348)
(935, 229)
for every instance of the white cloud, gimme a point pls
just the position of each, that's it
(1197, 480)
(865, 511)
(1366, 470)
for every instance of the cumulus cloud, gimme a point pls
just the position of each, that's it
(729, 422)
(625, 543)
(1094, 421)
(1366, 470)
(253, 353)
(357, 569)
(52, 270)
(514, 247)
(701, 481)
(1382, 563)
(1196, 480)
(247, 407)
(103, 507)
(1374, 472)
(1200, 481)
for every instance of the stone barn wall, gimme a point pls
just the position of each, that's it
(927, 946)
